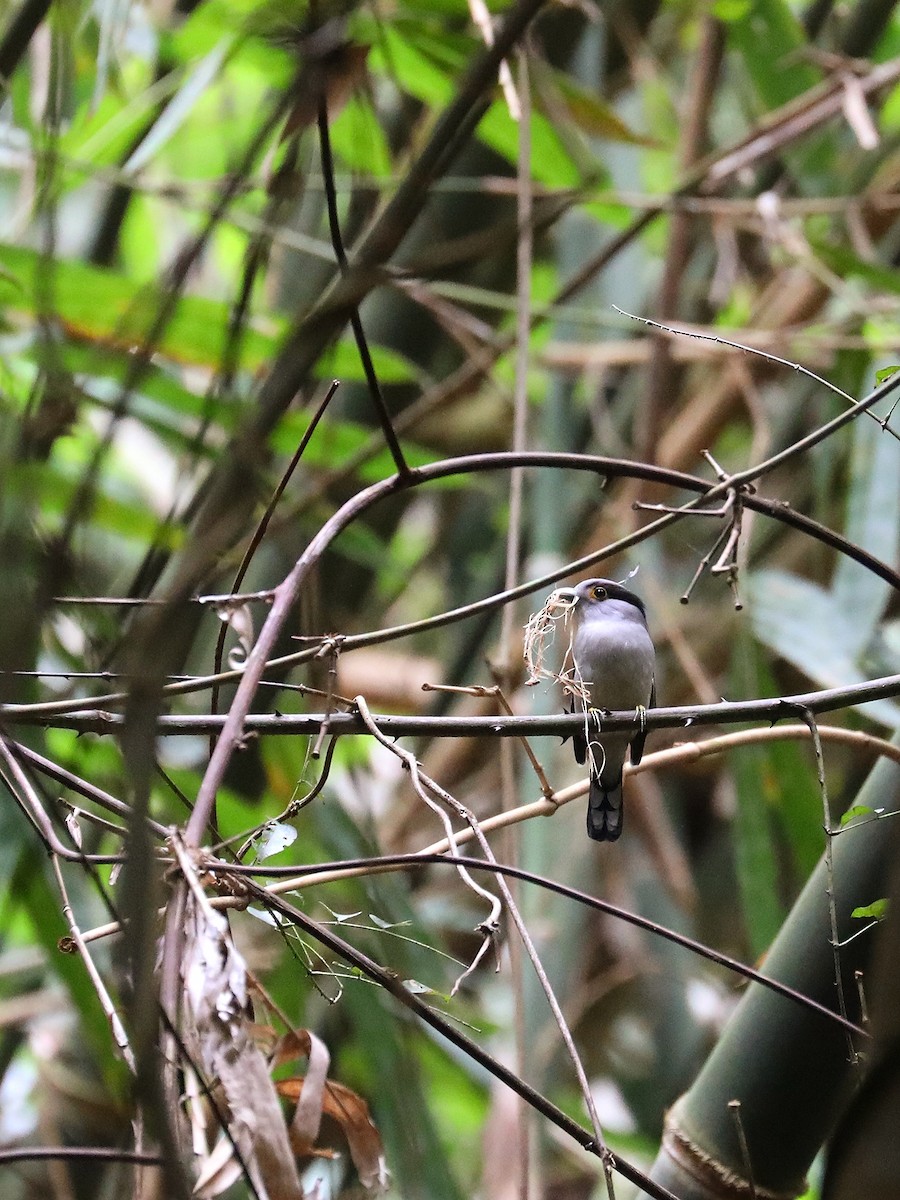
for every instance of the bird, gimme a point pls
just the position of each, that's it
(614, 659)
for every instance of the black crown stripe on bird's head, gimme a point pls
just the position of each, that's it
(615, 591)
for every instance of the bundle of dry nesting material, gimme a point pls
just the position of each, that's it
(540, 638)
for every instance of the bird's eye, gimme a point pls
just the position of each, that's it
(599, 593)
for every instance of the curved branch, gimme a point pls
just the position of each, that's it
(405, 861)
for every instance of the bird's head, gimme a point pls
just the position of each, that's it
(592, 594)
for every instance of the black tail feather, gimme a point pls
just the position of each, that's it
(605, 814)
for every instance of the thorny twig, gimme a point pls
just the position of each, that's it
(678, 331)
(106, 1003)
(504, 460)
(809, 719)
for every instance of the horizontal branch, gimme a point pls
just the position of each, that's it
(559, 725)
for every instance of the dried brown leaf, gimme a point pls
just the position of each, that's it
(215, 978)
(351, 1112)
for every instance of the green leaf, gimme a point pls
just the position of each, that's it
(592, 115)
(886, 373)
(104, 305)
(396, 56)
(873, 522)
(180, 106)
(877, 910)
(342, 361)
(857, 810)
(809, 628)
(550, 161)
(772, 24)
(359, 139)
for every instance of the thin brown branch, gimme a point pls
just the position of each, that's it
(558, 725)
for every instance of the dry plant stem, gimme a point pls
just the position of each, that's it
(482, 19)
(701, 90)
(332, 647)
(497, 692)
(771, 508)
(177, 277)
(83, 1153)
(477, 367)
(812, 724)
(861, 993)
(676, 331)
(403, 862)
(106, 1003)
(491, 925)
(684, 753)
(337, 242)
(421, 781)
(504, 671)
(88, 790)
(820, 104)
(458, 120)
(20, 788)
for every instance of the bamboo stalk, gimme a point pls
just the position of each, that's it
(779, 1077)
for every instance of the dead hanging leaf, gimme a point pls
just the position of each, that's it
(73, 826)
(218, 1170)
(218, 1031)
(351, 1112)
(333, 72)
(239, 617)
(307, 1120)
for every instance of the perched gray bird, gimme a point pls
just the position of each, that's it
(614, 658)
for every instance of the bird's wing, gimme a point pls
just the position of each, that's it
(579, 745)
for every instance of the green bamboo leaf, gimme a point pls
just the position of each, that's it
(359, 139)
(591, 114)
(810, 629)
(856, 810)
(98, 304)
(873, 522)
(774, 25)
(180, 107)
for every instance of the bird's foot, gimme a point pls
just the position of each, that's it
(641, 714)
